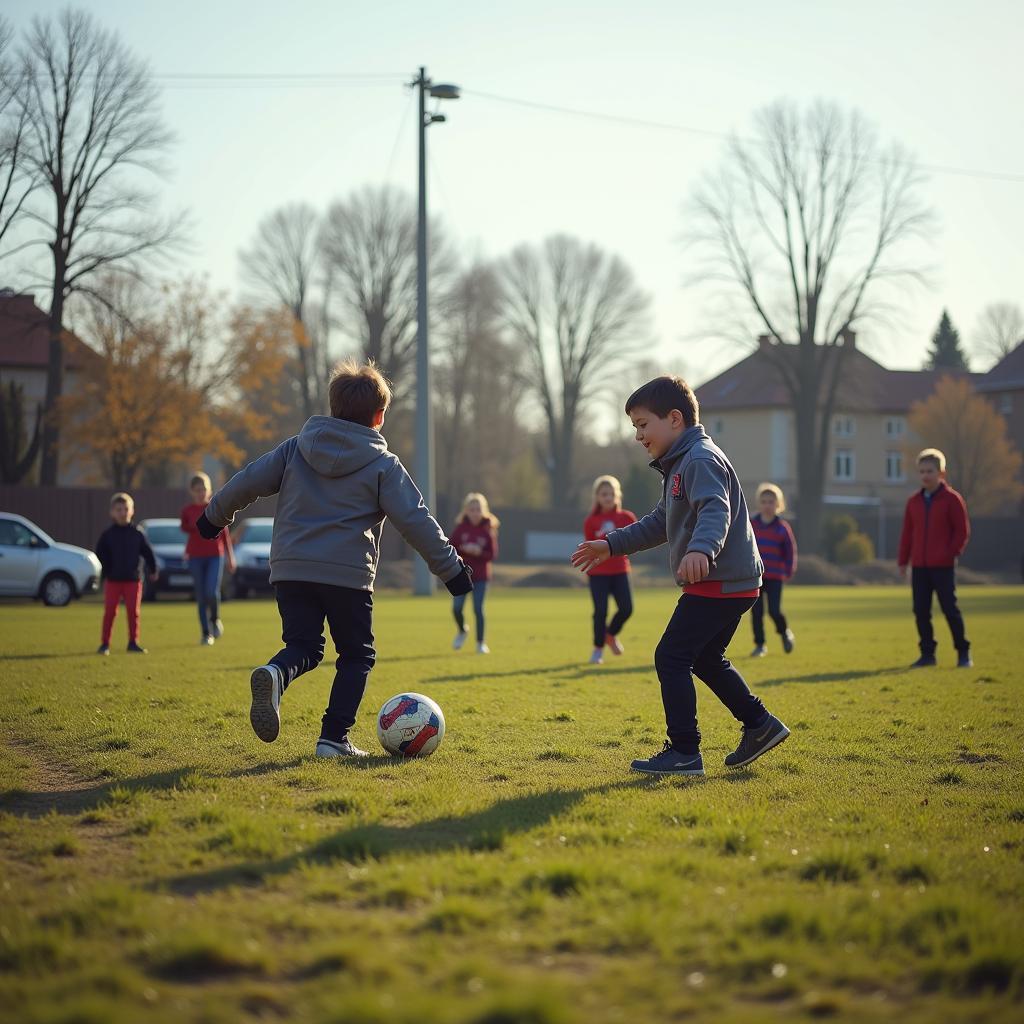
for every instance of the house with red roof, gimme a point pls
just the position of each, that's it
(24, 357)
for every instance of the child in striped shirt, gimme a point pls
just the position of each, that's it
(777, 546)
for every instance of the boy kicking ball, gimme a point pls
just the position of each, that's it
(336, 482)
(703, 518)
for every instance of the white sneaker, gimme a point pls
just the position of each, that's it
(460, 639)
(206, 641)
(267, 685)
(597, 658)
(218, 630)
(328, 748)
(482, 648)
(759, 651)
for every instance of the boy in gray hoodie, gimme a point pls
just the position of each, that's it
(337, 482)
(702, 516)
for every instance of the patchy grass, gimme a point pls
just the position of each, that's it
(161, 864)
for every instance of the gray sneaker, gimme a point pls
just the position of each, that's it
(788, 641)
(755, 742)
(759, 651)
(267, 685)
(669, 761)
(328, 748)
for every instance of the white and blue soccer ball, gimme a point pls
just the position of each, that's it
(410, 725)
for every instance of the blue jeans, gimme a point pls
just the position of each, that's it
(206, 575)
(458, 603)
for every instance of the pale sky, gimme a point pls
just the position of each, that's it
(941, 77)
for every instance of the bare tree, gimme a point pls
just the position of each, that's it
(283, 261)
(17, 182)
(576, 312)
(369, 244)
(1000, 330)
(805, 227)
(92, 132)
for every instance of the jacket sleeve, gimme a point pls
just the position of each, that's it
(961, 526)
(790, 551)
(258, 480)
(707, 487)
(187, 526)
(147, 552)
(402, 503)
(103, 552)
(589, 531)
(642, 535)
(906, 537)
(490, 547)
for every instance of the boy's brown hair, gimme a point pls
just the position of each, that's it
(662, 395)
(122, 498)
(933, 455)
(358, 391)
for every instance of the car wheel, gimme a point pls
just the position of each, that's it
(57, 590)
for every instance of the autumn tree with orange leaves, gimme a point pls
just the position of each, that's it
(981, 461)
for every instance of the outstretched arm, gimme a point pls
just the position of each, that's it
(258, 480)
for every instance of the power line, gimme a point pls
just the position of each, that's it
(640, 122)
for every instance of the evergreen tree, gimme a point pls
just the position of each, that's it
(946, 353)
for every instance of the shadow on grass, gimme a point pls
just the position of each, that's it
(468, 677)
(27, 803)
(833, 677)
(487, 829)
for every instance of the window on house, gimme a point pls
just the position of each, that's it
(843, 464)
(1006, 404)
(895, 426)
(844, 426)
(894, 466)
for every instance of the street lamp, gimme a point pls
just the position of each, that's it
(423, 580)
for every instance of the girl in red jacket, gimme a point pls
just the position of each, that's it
(475, 537)
(206, 560)
(611, 577)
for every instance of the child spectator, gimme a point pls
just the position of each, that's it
(777, 547)
(475, 537)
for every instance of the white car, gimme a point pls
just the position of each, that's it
(252, 555)
(33, 564)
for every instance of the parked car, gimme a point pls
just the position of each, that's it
(33, 564)
(168, 543)
(252, 555)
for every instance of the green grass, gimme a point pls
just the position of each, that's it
(159, 863)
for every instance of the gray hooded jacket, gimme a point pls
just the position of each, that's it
(702, 508)
(337, 483)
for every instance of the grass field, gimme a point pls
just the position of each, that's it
(161, 864)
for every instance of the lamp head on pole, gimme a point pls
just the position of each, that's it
(444, 91)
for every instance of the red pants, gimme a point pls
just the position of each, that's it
(113, 592)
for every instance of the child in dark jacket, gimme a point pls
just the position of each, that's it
(122, 549)
(336, 483)
(475, 537)
(777, 548)
(935, 532)
(703, 518)
(610, 578)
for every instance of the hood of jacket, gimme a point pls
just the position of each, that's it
(683, 443)
(335, 448)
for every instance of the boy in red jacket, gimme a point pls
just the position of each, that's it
(935, 533)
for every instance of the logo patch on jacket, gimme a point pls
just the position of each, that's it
(677, 485)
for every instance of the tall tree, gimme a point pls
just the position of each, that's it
(946, 353)
(576, 313)
(1000, 330)
(92, 133)
(18, 451)
(284, 261)
(17, 182)
(982, 462)
(803, 227)
(369, 245)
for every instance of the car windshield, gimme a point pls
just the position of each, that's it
(165, 534)
(257, 533)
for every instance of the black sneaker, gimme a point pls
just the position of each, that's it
(925, 661)
(669, 761)
(103, 649)
(965, 660)
(755, 742)
(788, 641)
(134, 648)
(330, 748)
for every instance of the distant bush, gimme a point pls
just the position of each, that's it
(836, 527)
(855, 549)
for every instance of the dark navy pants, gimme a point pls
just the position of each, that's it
(601, 588)
(349, 614)
(942, 583)
(771, 591)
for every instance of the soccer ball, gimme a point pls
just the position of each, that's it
(410, 725)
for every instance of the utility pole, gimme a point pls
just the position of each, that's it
(423, 580)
